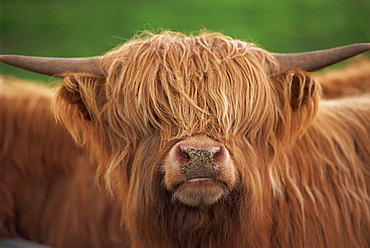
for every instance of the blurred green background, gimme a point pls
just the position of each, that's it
(78, 28)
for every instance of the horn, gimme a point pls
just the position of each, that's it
(55, 66)
(311, 61)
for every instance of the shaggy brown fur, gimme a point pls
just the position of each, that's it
(47, 191)
(299, 165)
(302, 163)
(351, 80)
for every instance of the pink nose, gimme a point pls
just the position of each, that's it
(199, 157)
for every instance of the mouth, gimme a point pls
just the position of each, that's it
(200, 191)
(199, 179)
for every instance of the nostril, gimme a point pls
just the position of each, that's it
(220, 155)
(217, 155)
(184, 155)
(181, 155)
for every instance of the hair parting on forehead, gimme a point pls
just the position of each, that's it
(183, 85)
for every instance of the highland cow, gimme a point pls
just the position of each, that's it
(47, 190)
(206, 141)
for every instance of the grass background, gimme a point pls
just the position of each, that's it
(79, 28)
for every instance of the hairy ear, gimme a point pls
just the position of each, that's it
(296, 88)
(78, 103)
(298, 94)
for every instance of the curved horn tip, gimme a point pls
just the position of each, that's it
(315, 60)
(55, 66)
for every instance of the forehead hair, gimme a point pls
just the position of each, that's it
(181, 85)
